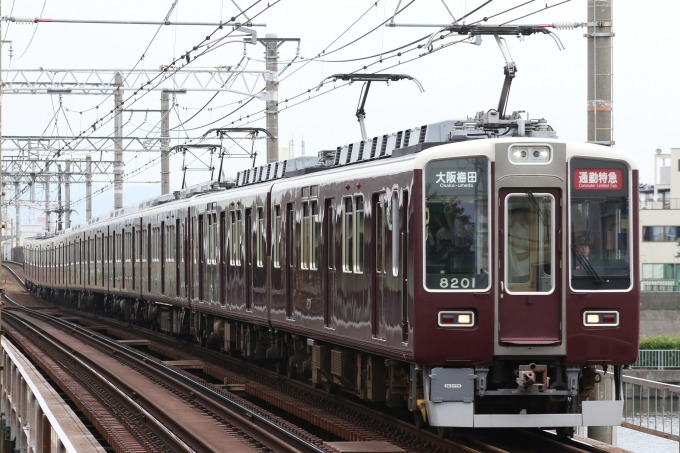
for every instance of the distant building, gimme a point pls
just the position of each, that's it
(660, 224)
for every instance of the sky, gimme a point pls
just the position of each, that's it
(458, 81)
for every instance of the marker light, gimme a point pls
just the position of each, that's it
(601, 318)
(456, 319)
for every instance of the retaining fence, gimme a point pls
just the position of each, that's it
(658, 359)
(35, 418)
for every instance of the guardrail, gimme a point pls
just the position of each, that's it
(648, 406)
(34, 417)
(668, 203)
(658, 359)
(659, 285)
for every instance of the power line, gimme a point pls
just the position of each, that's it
(186, 56)
(34, 31)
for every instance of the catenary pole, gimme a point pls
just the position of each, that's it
(600, 75)
(165, 142)
(272, 59)
(600, 115)
(118, 146)
(67, 194)
(88, 188)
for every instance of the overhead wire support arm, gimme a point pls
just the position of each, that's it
(368, 78)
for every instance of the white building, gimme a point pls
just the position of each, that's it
(660, 224)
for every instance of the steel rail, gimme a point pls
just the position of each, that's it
(160, 428)
(221, 403)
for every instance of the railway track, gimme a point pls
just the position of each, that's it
(333, 413)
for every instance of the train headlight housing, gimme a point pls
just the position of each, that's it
(530, 155)
(601, 318)
(456, 319)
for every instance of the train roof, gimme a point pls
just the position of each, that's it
(412, 147)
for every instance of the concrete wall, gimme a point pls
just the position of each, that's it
(660, 314)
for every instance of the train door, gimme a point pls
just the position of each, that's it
(329, 256)
(380, 285)
(249, 258)
(223, 258)
(290, 261)
(403, 241)
(529, 307)
(163, 256)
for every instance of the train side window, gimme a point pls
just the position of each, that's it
(359, 228)
(170, 244)
(315, 232)
(396, 227)
(235, 239)
(260, 237)
(304, 234)
(277, 236)
(331, 234)
(379, 230)
(348, 235)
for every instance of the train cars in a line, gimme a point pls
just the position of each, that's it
(473, 271)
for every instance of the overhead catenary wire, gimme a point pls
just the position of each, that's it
(100, 122)
(288, 106)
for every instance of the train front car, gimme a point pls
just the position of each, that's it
(526, 282)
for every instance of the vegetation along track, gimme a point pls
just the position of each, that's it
(347, 419)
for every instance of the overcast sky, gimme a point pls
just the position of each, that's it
(458, 81)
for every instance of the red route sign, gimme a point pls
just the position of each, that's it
(598, 179)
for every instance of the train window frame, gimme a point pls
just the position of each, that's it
(304, 233)
(506, 238)
(276, 242)
(395, 222)
(260, 237)
(359, 246)
(347, 234)
(489, 239)
(315, 233)
(631, 221)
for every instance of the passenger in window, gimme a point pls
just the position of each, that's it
(518, 239)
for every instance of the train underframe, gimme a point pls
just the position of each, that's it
(544, 389)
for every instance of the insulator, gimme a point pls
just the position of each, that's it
(23, 20)
(565, 25)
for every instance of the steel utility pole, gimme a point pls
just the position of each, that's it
(600, 119)
(600, 75)
(18, 215)
(88, 188)
(67, 194)
(60, 208)
(47, 200)
(118, 134)
(272, 42)
(165, 142)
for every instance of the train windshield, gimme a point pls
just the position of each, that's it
(457, 224)
(600, 226)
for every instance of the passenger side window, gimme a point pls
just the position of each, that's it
(277, 236)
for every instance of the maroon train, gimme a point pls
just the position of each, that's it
(474, 279)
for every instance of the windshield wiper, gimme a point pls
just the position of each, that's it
(534, 203)
(586, 264)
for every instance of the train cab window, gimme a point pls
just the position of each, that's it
(456, 233)
(600, 230)
(277, 236)
(260, 238)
